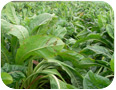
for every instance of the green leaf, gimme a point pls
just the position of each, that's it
(103, 63)
(5, 26)
(101, 20)
(11, 14)
(46, 27)
(82, 33)
(95, 81)
(88, 62)
(52, 71)
(6, 78)
(70, 56)
(43, 46)
(59, 32)
(99, 50)
(14, 45)
(69, 86)
(43, 73)
(76, 78)
(110, 30)
(16, 71)
(20, 32)
(16, 30)
(70, 41)
(55, 83)
(112, 63)
(91, 37)
(5, 55)
(40, 20)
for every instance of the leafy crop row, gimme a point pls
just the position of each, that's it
(57, 45)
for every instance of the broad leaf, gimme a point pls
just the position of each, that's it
(16, 30)
(95, 81)
(88, 62)
(5, 26)
(70, 41)
(6, 78)
(59, 32)
(70, 56)
(82, 33)
(99, 50)
(43, 46)
(40, 20)
(96, 37)
(20, 32)
(101, 20)
(110, 30)
(11, 14)
(16, 71)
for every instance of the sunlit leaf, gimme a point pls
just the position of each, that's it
(6, 78)
(43, 46)
(11, 14)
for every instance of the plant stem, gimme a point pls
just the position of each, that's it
(109, 76)
(99, 70)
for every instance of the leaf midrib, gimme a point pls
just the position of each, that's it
(56, 81)
(36, 49)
